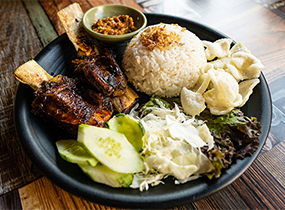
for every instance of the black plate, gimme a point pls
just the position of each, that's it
(38, 138)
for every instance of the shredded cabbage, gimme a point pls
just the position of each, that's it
(172, 145)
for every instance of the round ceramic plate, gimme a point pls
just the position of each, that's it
(38, 137)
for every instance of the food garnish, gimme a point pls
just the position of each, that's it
(116, 25)
(159, 37)
(75, 152)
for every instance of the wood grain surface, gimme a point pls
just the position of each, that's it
(16, 47)
(260, 26)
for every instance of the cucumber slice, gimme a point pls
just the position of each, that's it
(74, 152)
(102, 174)
(130, 127)
(110, 148)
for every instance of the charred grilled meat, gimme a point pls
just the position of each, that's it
(102, 72)
(65, 100)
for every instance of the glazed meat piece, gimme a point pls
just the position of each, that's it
(63, 99)
(102, 72)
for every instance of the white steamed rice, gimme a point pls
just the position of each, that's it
(164, 72)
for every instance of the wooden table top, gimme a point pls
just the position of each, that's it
(28, 26)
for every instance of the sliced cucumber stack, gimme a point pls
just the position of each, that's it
(74, 152)
(108, 156)
(110, 148)
(130, 127)
(102, 174)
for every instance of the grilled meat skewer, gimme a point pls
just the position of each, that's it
(64, 99)
(99, 68)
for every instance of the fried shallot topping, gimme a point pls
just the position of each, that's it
(159, 36)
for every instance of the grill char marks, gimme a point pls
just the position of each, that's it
(102, 72)
(68, 102)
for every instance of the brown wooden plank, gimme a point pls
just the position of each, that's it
(51, 10)
(18, 44)
(263, 26)
(41, 22)
(11, 201)
(224, 199)
(43, 194)
(273, 161)
(262, 187)
(95, 3)
(255, 189)
(60, 4)
(245, 193)
(84, 4)
(130, 3)
(126, 2)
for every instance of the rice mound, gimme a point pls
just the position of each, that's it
(164, 70)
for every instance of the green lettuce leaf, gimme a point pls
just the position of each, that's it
(235, 136)
(155, 102)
